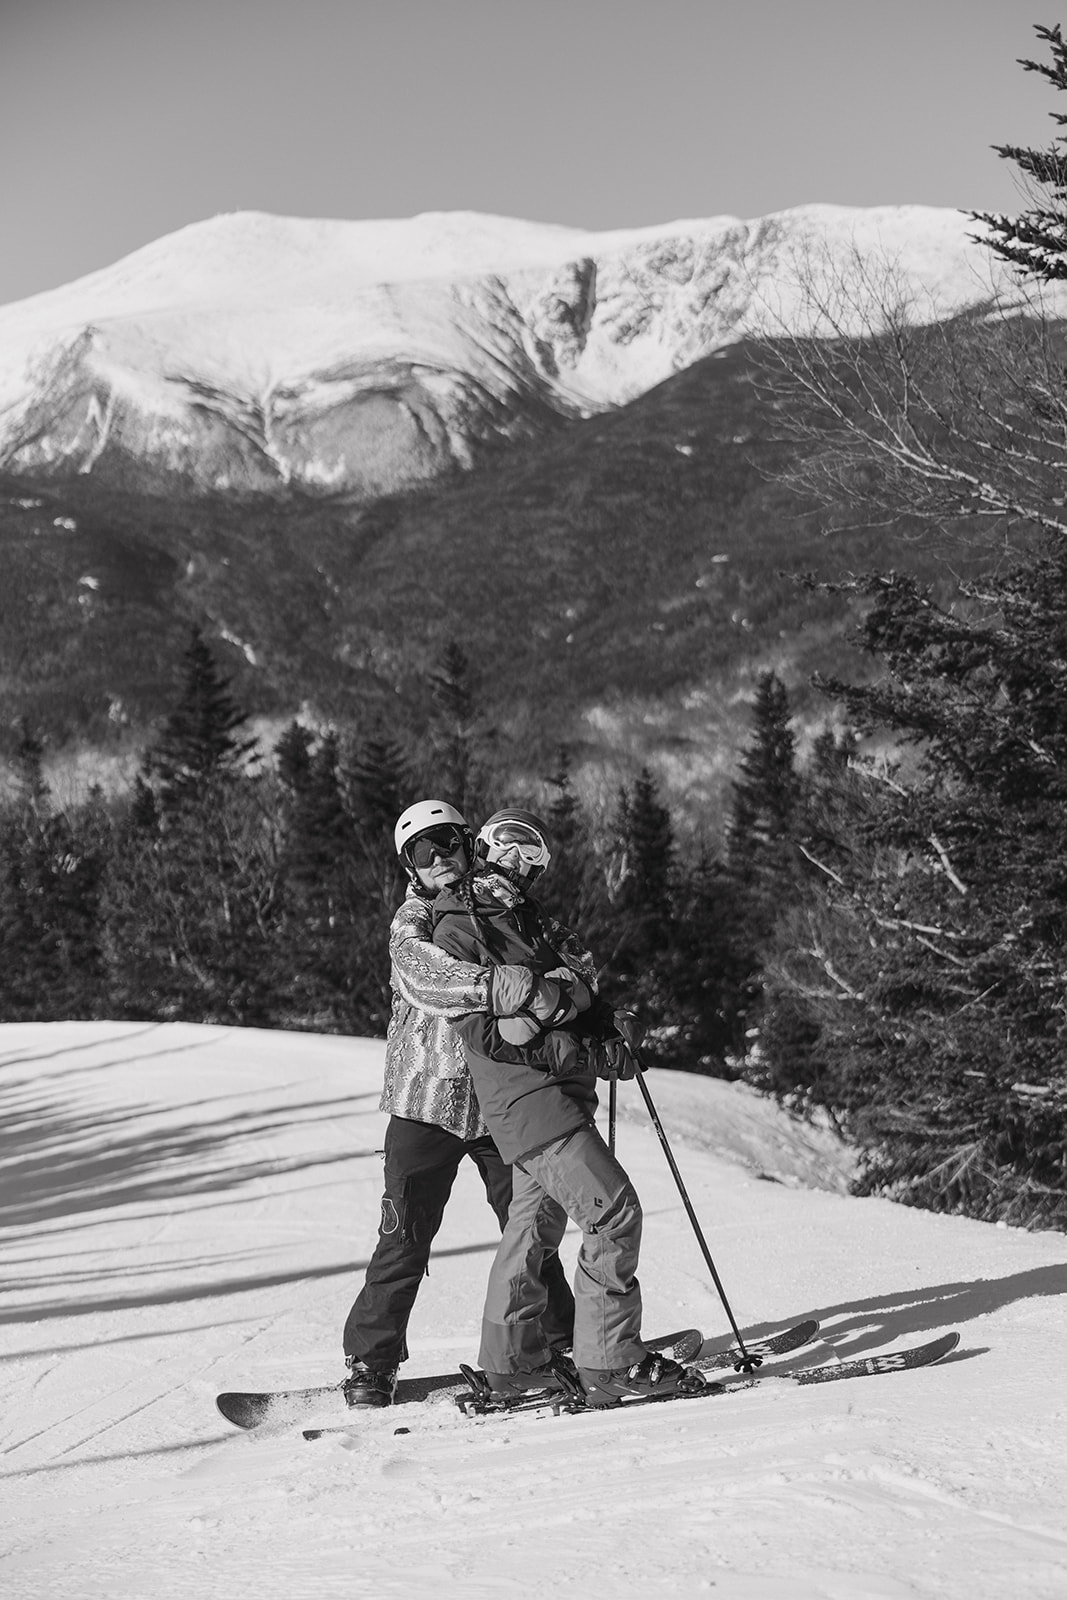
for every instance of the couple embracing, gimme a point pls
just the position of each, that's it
(495, 1043)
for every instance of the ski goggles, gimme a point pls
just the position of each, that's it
(501, 838)
(434, 844)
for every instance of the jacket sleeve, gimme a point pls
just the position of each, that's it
(426, 975)
(482, 1033)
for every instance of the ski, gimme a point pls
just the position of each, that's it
(917, 1355)
(780, 1344)
(285, 1408)
(477, 1399)
(480, 1401)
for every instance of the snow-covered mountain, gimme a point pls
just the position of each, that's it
(253, 352)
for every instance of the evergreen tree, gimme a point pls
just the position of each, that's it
(646, 835)
(190, 904)
(51, 863)
(643, 957)
(763, 865)
(933, 966)
(319, 833)
(199, 743)
(27, 770)
(144, 812)
(712, 977)
(191, 911)
(292, 756)
(379, 785)
(922, 986)
(1036, 240)
(761, 826)
(331, 967)
(574, 891)
(459, 742)
(565, 812)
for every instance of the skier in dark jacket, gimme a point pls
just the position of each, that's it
(434, 1118)
(534, 1055)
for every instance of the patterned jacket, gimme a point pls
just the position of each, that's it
(426, 1073)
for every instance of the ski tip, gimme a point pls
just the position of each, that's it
(807, 1329)
(243, 1411)
(945, 1345)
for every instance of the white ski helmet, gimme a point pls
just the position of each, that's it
(516, 836)
(426, 814)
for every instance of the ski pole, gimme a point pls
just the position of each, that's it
(613, 1100)
(748, 1363)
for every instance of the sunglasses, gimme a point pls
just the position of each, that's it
(433, 845)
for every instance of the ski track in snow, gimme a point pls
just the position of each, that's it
(184, 1210)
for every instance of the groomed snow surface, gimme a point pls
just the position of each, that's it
(188, 1209)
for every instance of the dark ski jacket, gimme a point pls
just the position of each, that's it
(525, 1105)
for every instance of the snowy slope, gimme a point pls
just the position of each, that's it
(254, 352)
(186, 1209)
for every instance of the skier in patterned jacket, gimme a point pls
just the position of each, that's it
(434, 1118)
(534, 1053)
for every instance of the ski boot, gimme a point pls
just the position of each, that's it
(556, 1383)
(365, 1387)
(558, 1374)
(654, 1377)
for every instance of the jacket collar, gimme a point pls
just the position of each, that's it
(494, 886)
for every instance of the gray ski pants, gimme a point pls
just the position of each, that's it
(574, 1177)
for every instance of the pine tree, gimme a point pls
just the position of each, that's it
(334, 912)
(319, 833)
(565, 812)
(27, 770)
(144, 812)
(643, 956)
(379, 784)
(1036, 240)
(191, 911)
(51, 864)
(763, 865)
(574, 890)
(713, 982)
(931, 969)
(648, 848)
(199, 743)
(763, 815)
(190, 903)
(460, 744)
(919, 993)
(292, 755)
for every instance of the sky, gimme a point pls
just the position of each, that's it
(123, 120)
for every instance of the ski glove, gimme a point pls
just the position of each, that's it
(510, 990)
(554, 1000)
(616, 1056)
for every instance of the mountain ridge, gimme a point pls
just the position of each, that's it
(256, 354)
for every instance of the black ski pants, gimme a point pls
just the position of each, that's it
(421, 1162)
